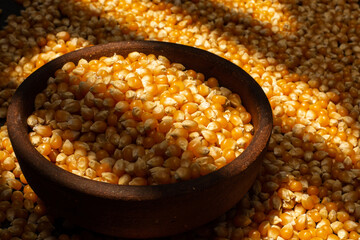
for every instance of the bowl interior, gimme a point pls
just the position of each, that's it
(228, 74)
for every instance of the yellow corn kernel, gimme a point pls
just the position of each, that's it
(67, 147)
(124, 179)
(138, 181)
(209, 136)
(179, 132)
(43, 130)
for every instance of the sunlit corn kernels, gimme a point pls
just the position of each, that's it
(135, 128)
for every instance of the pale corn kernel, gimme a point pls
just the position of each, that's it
(160, 175)
(179, 132)
(110, 177)
(350, 225)
(90, 173)
(98, 127)
(119, 167)
(61, 158)
(71, 106)
(155, 161)
(32, 120)
(68, 147)
(43, 130)
(190, 125)
(343, 234)
(109, 161)
(182, 143)
(74, 124)
(183, 173)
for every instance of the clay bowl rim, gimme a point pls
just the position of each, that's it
(18, 132)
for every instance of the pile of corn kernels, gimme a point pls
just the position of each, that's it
(304, 54)
(138, 120)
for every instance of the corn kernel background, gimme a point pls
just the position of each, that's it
(304, 54)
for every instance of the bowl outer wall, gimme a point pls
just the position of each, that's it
(138, 211)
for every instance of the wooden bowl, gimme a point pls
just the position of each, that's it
(142, 211)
